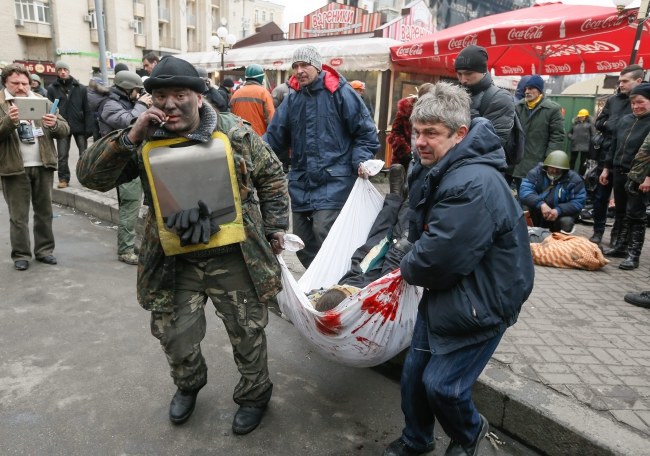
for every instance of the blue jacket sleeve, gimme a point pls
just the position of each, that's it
(278, 134)
(362, 129)
(453, 243)
(527, 191)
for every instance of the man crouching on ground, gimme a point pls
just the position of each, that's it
(472, 256)
(240, 278)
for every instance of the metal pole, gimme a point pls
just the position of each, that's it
(222, 50)
(642, 17)
(99, 17)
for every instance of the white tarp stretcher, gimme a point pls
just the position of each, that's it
(369, 327)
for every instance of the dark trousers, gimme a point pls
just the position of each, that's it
(35, 187)
(439, 387)
(636, 208)
(619, 178)
(391, 222)
(601, 202)
(312, 227)
(563, 223)
(63, 150)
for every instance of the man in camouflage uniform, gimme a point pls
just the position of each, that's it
(240, 279)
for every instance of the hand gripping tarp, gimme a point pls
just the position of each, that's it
(369, 327)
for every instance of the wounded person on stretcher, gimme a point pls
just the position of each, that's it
(383, 251)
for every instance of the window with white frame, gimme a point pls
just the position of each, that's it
(32, 11)
(138, 26)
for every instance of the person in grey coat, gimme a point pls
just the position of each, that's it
(580, 134)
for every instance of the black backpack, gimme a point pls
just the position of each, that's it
(516, 142)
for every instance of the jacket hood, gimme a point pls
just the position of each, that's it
(328, 78)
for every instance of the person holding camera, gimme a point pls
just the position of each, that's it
(27, 163)
(125, 102)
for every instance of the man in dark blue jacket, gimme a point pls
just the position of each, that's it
(330, 133)
(553, 193)
(472, 256)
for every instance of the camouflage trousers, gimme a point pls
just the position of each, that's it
(226, 281)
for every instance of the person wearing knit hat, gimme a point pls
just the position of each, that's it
(472, 58)
(543, 124)
(120, 67)
(330, 133)
(73, 107)
(488, 100)
(535, 82)
(61, 65)
(240, 274)
(37, 85)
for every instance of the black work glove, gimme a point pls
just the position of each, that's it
(631, 187)
(193, 225)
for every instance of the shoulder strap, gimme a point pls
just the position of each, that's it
(487, 97)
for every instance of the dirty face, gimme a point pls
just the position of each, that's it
(181, 106)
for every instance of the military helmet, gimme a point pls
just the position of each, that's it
(255, 72)
(557, 159)
(128, 80)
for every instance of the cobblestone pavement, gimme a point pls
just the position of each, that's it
(575, 337)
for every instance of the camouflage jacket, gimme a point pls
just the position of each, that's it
(265, 206)
(641, 164)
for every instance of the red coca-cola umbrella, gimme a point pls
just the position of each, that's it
(551, 38)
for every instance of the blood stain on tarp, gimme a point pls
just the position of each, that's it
(385, 302)
(329, 323)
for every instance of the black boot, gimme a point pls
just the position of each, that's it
(619, 250)
(597, 237)
(634, 250)
(182, 406)
(614, 233)
(247, 419)
(639, 299)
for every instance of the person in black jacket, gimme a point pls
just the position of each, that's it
(471, 254)
(631, 130)
(212, 94)
(616, 107)
(74, 108)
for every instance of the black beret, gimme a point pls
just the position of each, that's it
(174, 72)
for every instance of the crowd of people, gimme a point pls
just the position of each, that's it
(298, 152)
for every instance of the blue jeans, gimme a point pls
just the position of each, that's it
(440, 387)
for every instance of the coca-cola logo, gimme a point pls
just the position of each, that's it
(337, 61)
(551, 68)
(587, 48)
(507, 69)
(463, 42)
(606, 65)
(531, 33)
(406, 51)
(590, 25)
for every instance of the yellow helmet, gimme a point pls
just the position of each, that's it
(583, 113)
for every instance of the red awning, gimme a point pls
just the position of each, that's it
(551, 38)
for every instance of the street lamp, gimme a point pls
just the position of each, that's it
(222, 41)
(641, 18)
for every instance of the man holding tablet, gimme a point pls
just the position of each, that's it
(28, 159)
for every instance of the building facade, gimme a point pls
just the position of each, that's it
(40, 32)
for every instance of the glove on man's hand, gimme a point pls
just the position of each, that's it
(193, 225)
